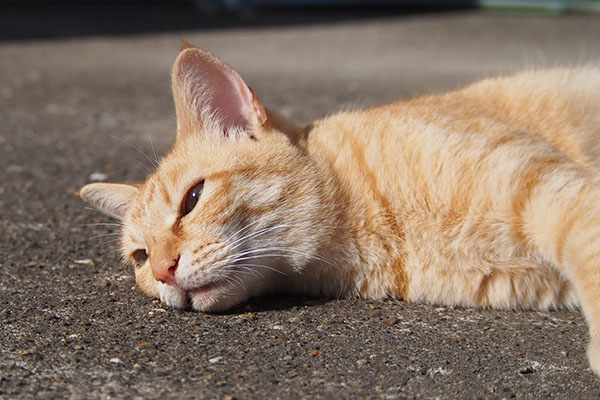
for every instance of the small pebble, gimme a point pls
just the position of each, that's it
(215, 360)
(145, 346)
(116, 360)
(98, 177)
(527, 371)
(456, 336)
(15, 169)
(85, 261)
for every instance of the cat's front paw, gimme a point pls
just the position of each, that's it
(172, 296)
(593, 354)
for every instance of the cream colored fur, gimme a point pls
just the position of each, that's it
(488, 196)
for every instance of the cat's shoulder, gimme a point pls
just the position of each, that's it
(531, 99)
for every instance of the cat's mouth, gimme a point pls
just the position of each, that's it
(200, 296)
(203, 289)
(214, 296)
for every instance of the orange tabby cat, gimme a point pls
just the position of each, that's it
(488, 196)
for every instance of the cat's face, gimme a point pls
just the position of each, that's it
(231, 212)
(226, 218)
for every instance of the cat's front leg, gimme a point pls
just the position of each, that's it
(582, 255)
(563, 220)
(593, 354)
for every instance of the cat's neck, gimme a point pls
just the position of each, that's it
(282, 124)
(360, 243)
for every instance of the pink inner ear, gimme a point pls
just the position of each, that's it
(230, 100)
(213, 87)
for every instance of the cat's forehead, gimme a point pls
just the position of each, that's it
(173, 175)
(191, 161)
(182, 167)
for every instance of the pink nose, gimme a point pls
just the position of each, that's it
(164, 270)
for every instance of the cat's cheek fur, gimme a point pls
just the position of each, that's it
(146, 282)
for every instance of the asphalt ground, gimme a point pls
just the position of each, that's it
(73, 325)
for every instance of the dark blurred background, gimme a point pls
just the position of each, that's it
(38, 19)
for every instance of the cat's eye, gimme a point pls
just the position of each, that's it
(140, 256)
(191, 198)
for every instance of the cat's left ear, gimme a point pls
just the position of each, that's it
(110, 198)
(204, 88)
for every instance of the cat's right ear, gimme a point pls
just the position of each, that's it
(110, 198)
(207, 89)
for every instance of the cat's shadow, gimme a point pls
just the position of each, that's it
(275, 303)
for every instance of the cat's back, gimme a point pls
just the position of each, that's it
(560, 106)
(436, 156)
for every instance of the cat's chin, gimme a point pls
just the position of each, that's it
(214, 298)
(172, 296)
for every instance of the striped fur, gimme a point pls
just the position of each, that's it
(488, 196)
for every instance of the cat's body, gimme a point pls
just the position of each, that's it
(488, 196)
(435, 189)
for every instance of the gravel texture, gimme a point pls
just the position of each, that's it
(74, 326)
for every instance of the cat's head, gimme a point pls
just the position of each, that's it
(233, 211)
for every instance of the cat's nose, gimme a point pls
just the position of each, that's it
(164, 270)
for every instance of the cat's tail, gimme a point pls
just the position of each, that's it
(560, 211)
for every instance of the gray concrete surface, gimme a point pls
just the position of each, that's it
(74, 326)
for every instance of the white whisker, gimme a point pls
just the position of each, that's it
(105, 243)
(242, 229)
(256, 265)
(282, 249)
(257, 233)
(279, 213)
(152, 162)
(99, 237)
(104, 214)
(235, 279)
(101, 224)
(247, 271)
(156, 160)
